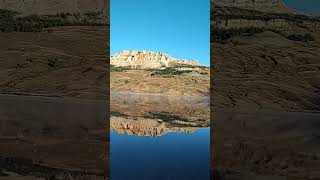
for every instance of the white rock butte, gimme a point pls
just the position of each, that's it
(147, 59)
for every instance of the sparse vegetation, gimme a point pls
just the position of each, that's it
(117, 114)
(93, 14)
(189, 66)
(221, 35)
(203, 73)
(10, 22)
(300, 37)
(166, 117)
(169, 71)
(114, 68)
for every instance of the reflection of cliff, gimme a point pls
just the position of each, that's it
(148, 127)
(156, 115)
(141, 104)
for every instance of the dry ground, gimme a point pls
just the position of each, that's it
(69, 62)
(141, 81)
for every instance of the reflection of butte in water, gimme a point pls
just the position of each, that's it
(146, 127)
(155, 115)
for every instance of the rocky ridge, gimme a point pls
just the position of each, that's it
(148, 59)
(232, 19)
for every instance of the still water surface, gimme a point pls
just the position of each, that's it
(176, 155)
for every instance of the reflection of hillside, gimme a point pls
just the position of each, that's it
(140, 104)
(156, 115)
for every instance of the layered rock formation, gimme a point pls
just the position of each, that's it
(49, 7)
(260, 5)
(146, 127)
(147, 59)
(232, 18)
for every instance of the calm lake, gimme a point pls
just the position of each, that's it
(148, 148)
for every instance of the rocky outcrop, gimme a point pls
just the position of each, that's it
(233, 18)
(260, 5)
(147, 59)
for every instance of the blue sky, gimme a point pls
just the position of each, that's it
(179, 28)
(307, 6)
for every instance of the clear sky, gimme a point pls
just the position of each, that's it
(306, 6)
(180, 28)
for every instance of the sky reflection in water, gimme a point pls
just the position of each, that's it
(173, 156)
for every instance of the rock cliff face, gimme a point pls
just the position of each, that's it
(260, 5)
(147, 59)
(233, 18)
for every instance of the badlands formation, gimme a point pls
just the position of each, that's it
(159, 73)
(147, 59)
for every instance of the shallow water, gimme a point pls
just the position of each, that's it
(138, 152)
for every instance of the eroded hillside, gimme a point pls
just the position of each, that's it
(54, 48)
(264, 60)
